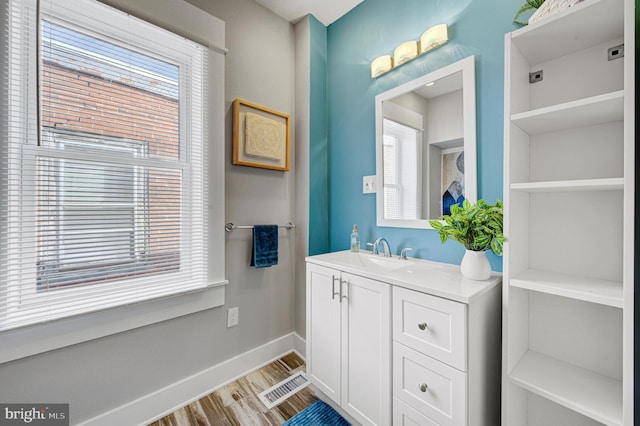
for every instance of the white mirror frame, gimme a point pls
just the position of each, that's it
(467, 67)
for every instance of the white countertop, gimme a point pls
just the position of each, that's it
(434, 278)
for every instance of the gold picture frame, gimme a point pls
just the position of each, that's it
(261, 136)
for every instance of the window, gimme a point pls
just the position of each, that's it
(103, 184)
(401, 159)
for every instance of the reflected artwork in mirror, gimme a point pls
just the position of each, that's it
(426, 146)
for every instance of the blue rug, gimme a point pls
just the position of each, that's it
(317, 414)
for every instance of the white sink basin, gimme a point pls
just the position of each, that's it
(369, 262)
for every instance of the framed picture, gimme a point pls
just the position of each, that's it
(452, 188)
(260, 136)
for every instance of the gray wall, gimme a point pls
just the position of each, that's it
(302, 161)
(103, 374)
(260, 68)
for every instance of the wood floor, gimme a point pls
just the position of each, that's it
(237, 403)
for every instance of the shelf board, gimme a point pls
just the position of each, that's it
(607, 184)
(586, 24)
(584, 112)
(593, 395)
(592, 290)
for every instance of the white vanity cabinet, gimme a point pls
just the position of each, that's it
(446, 359)
(429, 356)
(348, 342)
(404, 342)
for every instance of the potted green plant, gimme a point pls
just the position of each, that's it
(478, 227)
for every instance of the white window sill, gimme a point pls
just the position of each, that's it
(28, 341)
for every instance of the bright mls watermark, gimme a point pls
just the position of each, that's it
(34, 414)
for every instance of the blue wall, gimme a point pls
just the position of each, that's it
(374, 28)
(318, 141)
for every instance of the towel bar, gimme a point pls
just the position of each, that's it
(230, 226)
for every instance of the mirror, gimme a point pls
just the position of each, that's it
(426, 146)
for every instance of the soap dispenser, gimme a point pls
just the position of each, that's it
(355, 239)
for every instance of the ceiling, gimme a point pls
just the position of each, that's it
(442, 86)
(326, 11)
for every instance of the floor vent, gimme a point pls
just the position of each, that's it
(283, 390)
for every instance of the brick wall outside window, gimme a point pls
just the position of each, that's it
(85, 102)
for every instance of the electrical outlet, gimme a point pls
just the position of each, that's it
(615, 52)
(368, 184)
(232, 317)
(536, 76)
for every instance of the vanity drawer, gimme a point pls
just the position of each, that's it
(432, 325)
(432, 388)
(403, 415)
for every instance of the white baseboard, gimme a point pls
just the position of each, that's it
(299, 345)
(164, 401)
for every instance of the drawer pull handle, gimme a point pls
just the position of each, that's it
(424, 387)
(343, 296)
(422, 326)
(333, 287)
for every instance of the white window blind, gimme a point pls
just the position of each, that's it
(401, 160)
(103, 162)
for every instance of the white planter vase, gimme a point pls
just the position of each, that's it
(475, 265)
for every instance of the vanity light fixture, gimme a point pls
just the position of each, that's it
(405, 52)
(380, 65)
(430, 39)
(434, 37)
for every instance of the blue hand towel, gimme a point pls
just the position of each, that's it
(265, 246)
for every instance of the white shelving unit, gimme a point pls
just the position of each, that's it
(569, 219)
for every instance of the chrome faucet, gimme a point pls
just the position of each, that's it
(403, 253)
(385, 247)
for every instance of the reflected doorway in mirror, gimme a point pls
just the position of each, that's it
(452, 179)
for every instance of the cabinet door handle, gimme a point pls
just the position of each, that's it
(343, 296)
(423, 326)
(424, 387)
(333, 287)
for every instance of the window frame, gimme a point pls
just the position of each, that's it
(39, 338)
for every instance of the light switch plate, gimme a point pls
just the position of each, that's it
(232, 317)
(368, 184)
